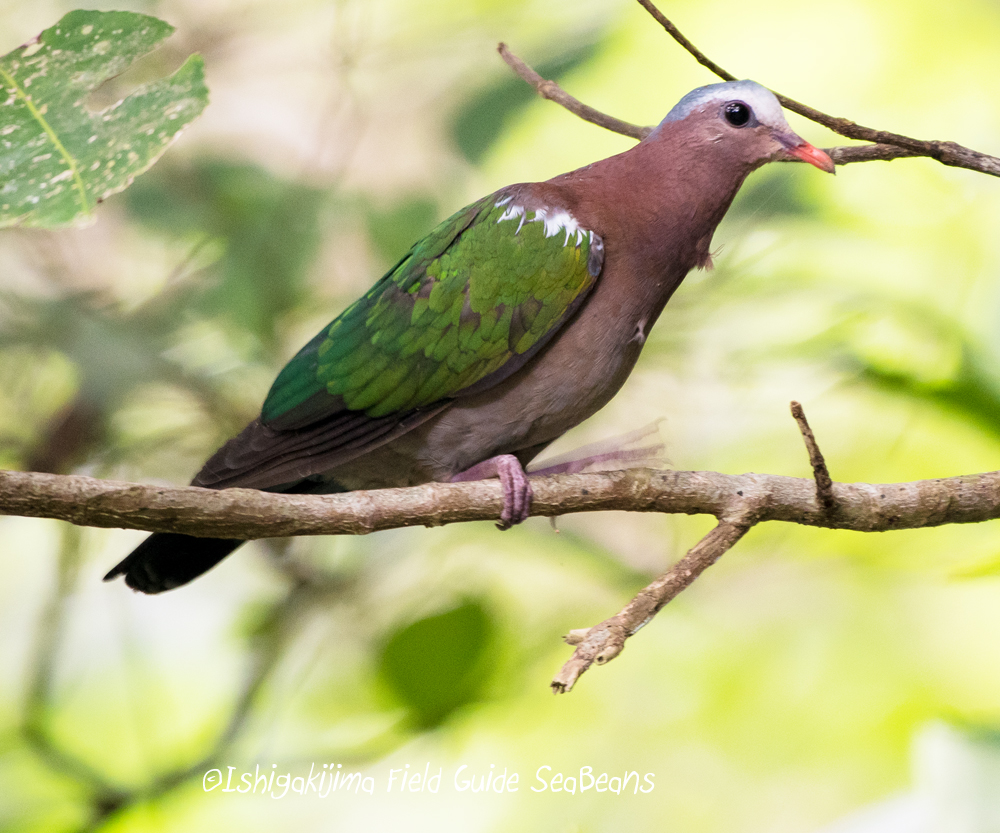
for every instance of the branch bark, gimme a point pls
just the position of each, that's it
(247, 513)
(886, 144)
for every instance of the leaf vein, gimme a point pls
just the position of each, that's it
(36, 113)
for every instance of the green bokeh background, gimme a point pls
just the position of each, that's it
(811, 681)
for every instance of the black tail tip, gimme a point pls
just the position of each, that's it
(166, 560)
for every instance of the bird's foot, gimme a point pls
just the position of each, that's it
(516, 487)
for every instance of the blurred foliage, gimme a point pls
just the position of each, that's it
(481, 119)
(971, 393)
(268, 229)
(395, 229)
(810, 673)
(436, 664)
(777, 191)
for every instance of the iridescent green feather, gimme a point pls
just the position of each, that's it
(472, 299)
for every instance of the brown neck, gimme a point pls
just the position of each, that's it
(656, 206)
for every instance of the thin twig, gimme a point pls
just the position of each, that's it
(947, 153)
(553, 92)
(887, 145)
(824, 485)
(676, 34)
(603, 642)
(847, 154)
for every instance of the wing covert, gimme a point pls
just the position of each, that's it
(464, 308)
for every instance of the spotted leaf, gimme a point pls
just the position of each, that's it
(58, 159)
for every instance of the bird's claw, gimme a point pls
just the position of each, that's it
(516, 487)
(517, 491)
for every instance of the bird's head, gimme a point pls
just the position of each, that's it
(747, 120)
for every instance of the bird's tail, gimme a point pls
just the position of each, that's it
(166, 560)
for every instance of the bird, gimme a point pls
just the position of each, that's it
(514, 320)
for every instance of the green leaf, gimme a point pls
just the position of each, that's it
(57, 158)
(436, 664)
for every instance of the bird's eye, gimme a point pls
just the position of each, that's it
(737, 113)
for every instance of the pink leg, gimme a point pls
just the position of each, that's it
(516, 488)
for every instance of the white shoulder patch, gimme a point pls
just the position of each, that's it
(512, 212)
(555, 221)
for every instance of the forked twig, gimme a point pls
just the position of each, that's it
(947, 153)
(603, 642)
(885, 145)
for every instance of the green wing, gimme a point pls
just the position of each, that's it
(465, 307)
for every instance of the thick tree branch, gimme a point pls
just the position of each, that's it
(886, 145)
(247, 513)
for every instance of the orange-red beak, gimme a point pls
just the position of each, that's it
(808, 153)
